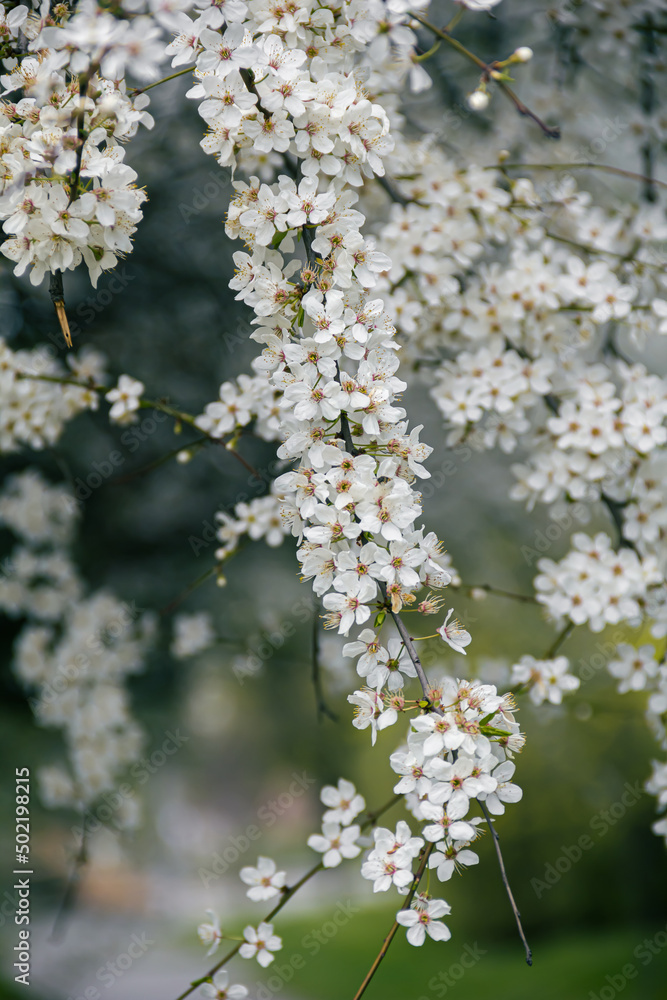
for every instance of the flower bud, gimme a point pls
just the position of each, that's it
(478, 100)
(523, 54)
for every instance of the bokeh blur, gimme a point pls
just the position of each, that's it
(252, 745)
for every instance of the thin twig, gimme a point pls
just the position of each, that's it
(156, 463)
(604, 167)
(168, 608)
(180, 416)
(393, 192)
(559, 640)
(489, 71)
(412, 653)
(58, 298)
(141, 90)
(410, 650)
(647, 99)
(503, 873)
(624, 258)
(286, 896)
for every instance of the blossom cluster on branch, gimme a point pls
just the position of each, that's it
(370, 257)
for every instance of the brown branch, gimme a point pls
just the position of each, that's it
(58, 298)
(490, 72)
(559, 640)
(84, 81)
(156, 463)
(286, 896)
(141, 90)
(390, 936)
(410, 649)
(412, 653)
(180, 416)
(168, 608)
(604, 167)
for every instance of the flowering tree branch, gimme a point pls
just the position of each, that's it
(392, 933)
(489, 71)
(287, 893)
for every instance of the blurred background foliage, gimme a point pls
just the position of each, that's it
(145, 534)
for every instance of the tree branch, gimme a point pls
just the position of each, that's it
(559, 640)
(57, 294)
(410, 648)
(604, 167)
(503, 873)
(172, 76)
(180, 416)
(390, 936)
(489, 71)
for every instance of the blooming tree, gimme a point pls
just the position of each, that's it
(372, 258)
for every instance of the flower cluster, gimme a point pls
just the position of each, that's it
(259, 519)
(75, 650)
(259, 943)
(545, 680)
(125, 400)
(339, 835)
(596, 585)
(598, 437)
(193, 633)
(458, 752)
(326, 382)
(522, 306)
(641, 669)
(244, 401)
(66, 196)
(34, 410)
